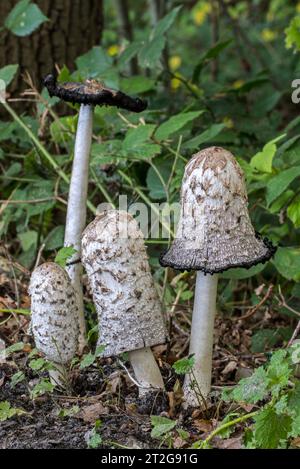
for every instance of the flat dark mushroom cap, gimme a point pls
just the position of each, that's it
(92, 92)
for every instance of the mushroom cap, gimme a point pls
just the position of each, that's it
(115, 258)
(54, 312)
(214, 231)
(92, 92)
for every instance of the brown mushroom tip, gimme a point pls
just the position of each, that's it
(214, 232)
(92, 92)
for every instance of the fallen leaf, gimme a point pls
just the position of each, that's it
(230, 443)
(229, 368)
(203, 426)
(91, 413)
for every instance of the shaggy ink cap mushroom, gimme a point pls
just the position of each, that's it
(54, 313)
(92, 92)
(214, 231)
(127, 304)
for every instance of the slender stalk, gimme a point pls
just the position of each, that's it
(146, 370)
(76, 212)
(57, 375)
(201, 342)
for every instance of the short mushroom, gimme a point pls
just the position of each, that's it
(214, 234)
(129, 311)
(54, 317)
(88, 94)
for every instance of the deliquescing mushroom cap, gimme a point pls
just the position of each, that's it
(214, 231)
(54, 313)
(92, 92)
(115, 258)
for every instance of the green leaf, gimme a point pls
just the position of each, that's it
(8, 73)
(204, 137)
(6, 411)
(42, 387)
(270, 429)
(130, 51)
(17, 378)
(135, 137)
(293, 212)
(161, 426)
(239, 273)
(14, 348)
(151, 51)
(95, 439)
(175, 123)
(37, 364)
(184, 365)
(287, 262)
(278, 184)
(267, 338)
(24, 18)
(263, 160)
(166, 22)
(55, 238)
(211, 54)
(137, 85)
(252, 389)
(87, 360)
(292, 33)
(154, 183)
(94, 62)
(28, 239)
(278, 372)
(64, 254)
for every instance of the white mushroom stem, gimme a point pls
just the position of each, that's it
(197, 384)
(76, 213)
(146, 370)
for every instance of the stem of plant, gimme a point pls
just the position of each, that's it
(76, 212)
(201, 342)
(146, 370)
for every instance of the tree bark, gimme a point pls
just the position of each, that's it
(74, 27)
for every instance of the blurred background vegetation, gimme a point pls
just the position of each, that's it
(214, 73)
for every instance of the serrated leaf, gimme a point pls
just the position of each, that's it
(161, 426)
(270, 429)
(7, 412)
(279, 183)
(166, 22)
(287, 262)
(8, 73)
(151, 51)
(278, 372)
(135, 137)
(24, 18)
(64, 254)
(175, 123)
(252, 389)
(184, 365)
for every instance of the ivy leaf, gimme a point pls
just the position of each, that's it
(263, 160)
(161, 426)
(252, 389)
(24, 18)
(175, 123)
(270, 429)
(63, 255)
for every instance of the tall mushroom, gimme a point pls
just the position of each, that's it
(54, 317)
(214, 234)
(88, 94)
(129, 311)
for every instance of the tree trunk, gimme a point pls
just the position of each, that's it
(74, 27)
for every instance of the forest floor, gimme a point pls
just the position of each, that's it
(104, 391)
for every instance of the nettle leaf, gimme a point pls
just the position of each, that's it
(287, 262)
(8, 73)
(24, 18)
(135, 137)
(161, 426)
(263, 160)
(267, 338)
(270, 429)
(94, 62)
(63, 255)
(278, 372)
(184, 365)
(293, 212)
(252, 389)
(175, 123)
(279, 183)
